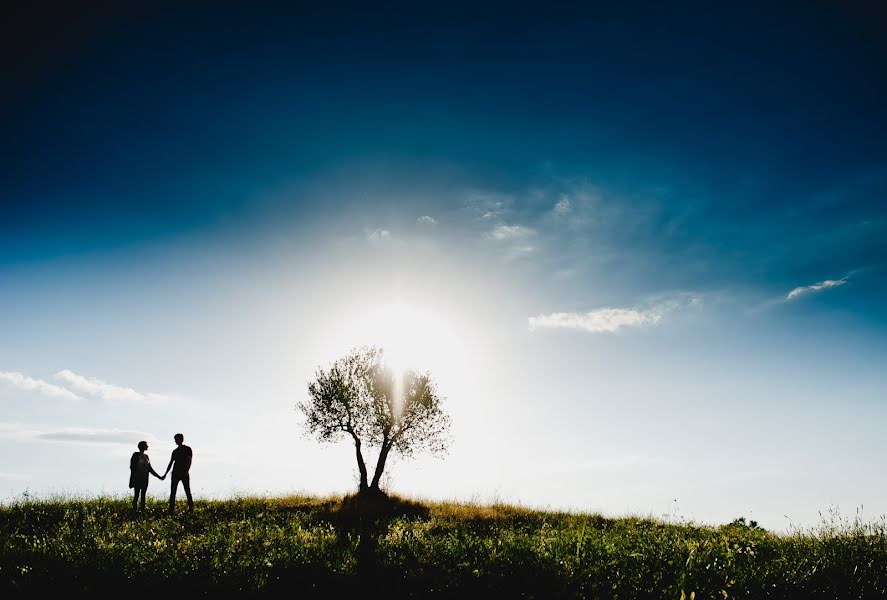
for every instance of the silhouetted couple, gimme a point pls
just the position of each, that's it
(179, 462)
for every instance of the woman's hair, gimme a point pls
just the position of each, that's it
(143, 444)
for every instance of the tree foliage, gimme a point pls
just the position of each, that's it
(362, 398)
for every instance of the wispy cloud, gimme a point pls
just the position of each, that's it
(92, 436)
(596, 321)
(604, 320)
(74, 435)
(518, 252)
(487, 206)
(378, 236)
(513, 241)
(383, 238)
(510, 232)
(103, 389)
(427, 220)
(23, 382)
(816, 287)
(562, 207)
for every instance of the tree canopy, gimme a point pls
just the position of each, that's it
(362, 398)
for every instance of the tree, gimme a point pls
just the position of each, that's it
(360, 396)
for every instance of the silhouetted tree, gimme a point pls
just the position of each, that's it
(361, 397)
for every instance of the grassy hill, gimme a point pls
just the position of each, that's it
(304, 547)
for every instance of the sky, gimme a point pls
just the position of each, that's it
(641, 249)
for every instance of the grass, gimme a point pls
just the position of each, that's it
(305, 547)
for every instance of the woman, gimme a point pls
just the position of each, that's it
(139, 467)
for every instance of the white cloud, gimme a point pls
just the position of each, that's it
(519, 251)
(611, 319)
(427, 220)
(75, 435)
(103, 389)
(382, 238)
(816, 287)
(23, 382)
(510, 232)
(562, 206)
(17, 431)
(92, 436)
(377, 236)
(596, 321)
(487, 206)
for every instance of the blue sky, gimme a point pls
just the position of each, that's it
(647, 245)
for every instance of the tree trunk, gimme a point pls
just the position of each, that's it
(380, 465)
(361, 465)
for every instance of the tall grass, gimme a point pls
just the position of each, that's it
(313, 547)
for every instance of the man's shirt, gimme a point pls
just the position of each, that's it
(181, 457)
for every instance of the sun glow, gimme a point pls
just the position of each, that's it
(411, 338)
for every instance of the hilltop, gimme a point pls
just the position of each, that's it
(329, 547)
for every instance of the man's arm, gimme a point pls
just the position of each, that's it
(172, 459)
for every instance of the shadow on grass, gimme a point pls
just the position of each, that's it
(368, 515)
(360, 520)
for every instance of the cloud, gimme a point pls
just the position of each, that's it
(427, 220)
(92, 436)
(611, 319)
(103, 389)
(510, 232)
(487, 206)
(816, 287)
(562, 206)
(75, 435)
(376, 236)
(596, 321)
(382, 238)
(23, 382)
(519, 251)
(14, 430)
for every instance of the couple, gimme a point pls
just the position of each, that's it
(140, 467)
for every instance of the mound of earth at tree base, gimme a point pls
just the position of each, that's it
(375, 504)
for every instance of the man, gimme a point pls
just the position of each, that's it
(180, 462)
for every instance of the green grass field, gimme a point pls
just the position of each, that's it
(323, 547)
